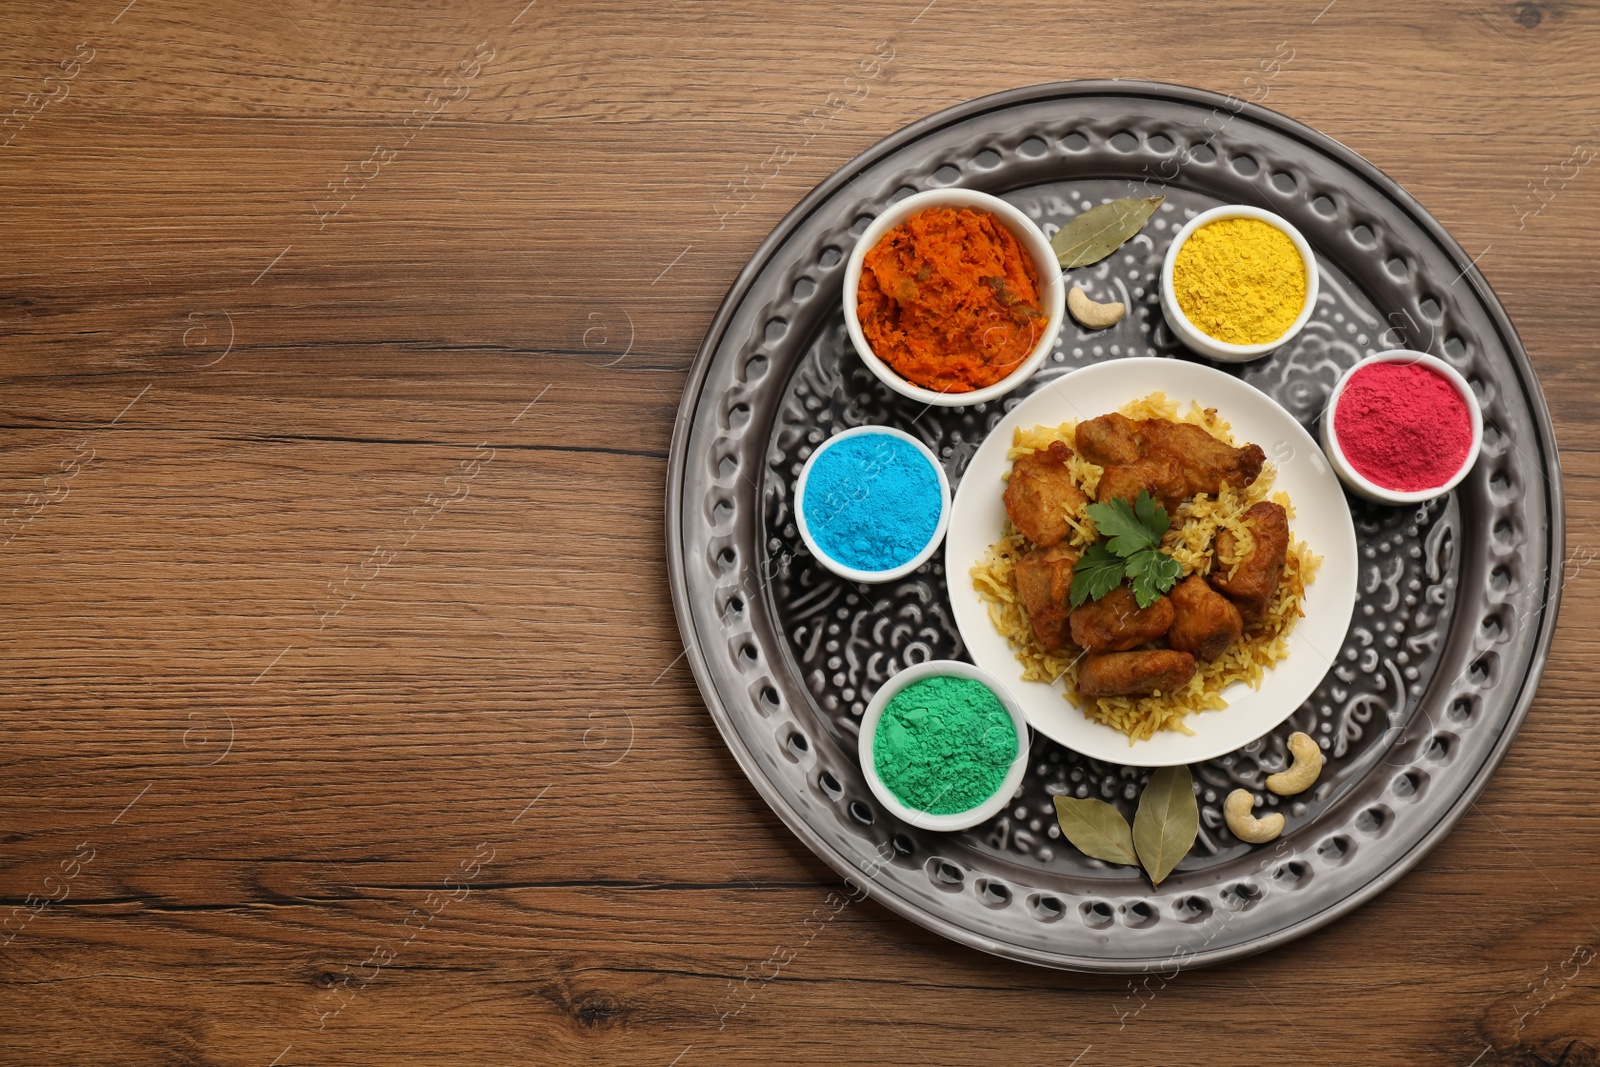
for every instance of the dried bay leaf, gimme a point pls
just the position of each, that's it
(1097, 829)
(1101, 230)
(1167, 822)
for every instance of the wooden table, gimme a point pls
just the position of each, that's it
(345, 720)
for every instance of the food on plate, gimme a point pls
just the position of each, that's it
(1248, 575)
(1172, 461)
(1205, 623)
(1132, 550)
(1116, 622)
(1189, 587)
(1240, 280)
(1403, 426)
(1204, 463)
(950, 300)
(1111, 440)
(1041, 494)
(1044, 581)
(944, 744)
(1120, 674)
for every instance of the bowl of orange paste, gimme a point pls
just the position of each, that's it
(953, 297)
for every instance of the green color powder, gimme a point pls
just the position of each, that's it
(944, 744)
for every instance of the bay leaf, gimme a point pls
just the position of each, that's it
(1101, 230)
(1097, 829)
(1167, 822)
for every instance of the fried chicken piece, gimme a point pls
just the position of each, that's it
(1108, 441)
(1134, 674)
(1173, 460)
(1039, 494)
(1254, 585)
(1203, 463)
(1206, 622)
(1116, 622)
(1044, 579)
(1159, 476)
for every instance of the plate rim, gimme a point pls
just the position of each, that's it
(1521, 364)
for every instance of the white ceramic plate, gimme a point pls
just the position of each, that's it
(1322, 520)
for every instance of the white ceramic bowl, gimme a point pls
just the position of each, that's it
(841, 569)
(960, 820)
(1198, 339)
(1322, 520)
(1053, 291)
(1363, 486)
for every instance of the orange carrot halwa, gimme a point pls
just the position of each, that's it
(950, 299)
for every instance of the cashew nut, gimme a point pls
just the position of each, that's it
(1302, 773)
(1245, 826)
(1090, 315)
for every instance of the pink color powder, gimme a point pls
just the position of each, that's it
(1403, 426)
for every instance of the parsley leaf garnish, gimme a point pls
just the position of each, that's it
(1130, 528)
(1153, 573)
(1095, 574)
(1133, 550)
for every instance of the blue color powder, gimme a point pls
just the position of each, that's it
(872, 502)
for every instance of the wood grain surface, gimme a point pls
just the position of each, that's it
(344, 718)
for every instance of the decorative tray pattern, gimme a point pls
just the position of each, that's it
(1456, 599)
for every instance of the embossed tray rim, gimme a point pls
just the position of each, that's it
(1554, 531)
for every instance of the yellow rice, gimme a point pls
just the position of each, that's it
(1198, 521)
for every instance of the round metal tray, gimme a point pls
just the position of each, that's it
(1456, 602)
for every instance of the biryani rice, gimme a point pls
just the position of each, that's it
(1196, 524)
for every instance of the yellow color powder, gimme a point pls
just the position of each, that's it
(1240, 281)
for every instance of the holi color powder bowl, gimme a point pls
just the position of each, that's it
(873, 717)
(876, 491)
(1370, 489)
(1197, 339)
